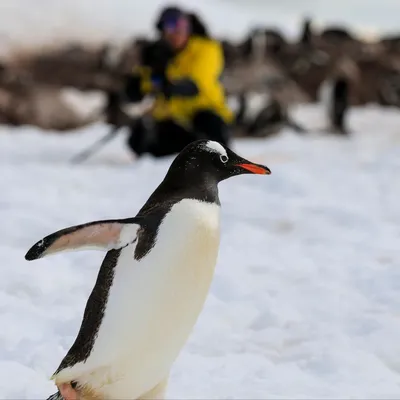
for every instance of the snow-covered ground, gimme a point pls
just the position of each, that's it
(305, 301)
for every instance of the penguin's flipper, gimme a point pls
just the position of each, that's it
(99, 235)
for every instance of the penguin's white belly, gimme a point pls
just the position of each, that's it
(153, 304)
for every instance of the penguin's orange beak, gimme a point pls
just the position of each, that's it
(255, 168)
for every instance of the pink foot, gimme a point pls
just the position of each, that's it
(68, 392)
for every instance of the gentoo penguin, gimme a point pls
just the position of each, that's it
(152, 283)
(335, 94)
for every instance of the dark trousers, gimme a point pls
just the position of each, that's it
(170, 138)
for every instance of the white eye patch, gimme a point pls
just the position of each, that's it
(215, 147)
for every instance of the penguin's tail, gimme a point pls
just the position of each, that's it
(55, 396)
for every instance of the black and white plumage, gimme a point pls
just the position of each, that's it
(336, 99)
(153, 281)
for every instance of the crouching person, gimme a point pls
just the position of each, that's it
(189, 98)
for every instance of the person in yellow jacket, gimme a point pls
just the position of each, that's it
(190, 102)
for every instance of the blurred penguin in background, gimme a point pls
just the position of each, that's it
(336, 99)
(341, 89)
(340, 105)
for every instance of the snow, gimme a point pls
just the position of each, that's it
(304, 303)
(85, 104)
(50, 22)
(97, 21)
(363, 17)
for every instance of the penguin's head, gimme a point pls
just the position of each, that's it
(210, 160)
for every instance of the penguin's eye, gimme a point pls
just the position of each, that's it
(224, 158)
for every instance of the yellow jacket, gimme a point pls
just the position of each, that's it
(201, 62)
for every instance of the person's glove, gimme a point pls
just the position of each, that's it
(161, 85)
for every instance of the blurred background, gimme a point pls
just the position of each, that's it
(305, 300)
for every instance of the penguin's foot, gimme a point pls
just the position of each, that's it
(68, 392)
